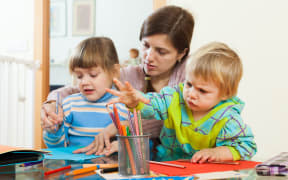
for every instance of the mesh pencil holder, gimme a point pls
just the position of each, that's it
(133, 155)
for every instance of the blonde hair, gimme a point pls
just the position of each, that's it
(218, 63)
(93, 52)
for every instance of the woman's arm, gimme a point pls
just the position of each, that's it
(63, 92)
(49, 118)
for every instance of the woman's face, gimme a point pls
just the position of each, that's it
(159, 55)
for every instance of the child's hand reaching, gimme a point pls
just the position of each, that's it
(126, 95)
(218, 154)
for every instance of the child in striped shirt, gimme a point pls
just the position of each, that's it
(94, 64)
(202, 120)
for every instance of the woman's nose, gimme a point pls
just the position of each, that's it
(149, 55)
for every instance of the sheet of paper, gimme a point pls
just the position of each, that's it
(220, 175)
(65, 153)
(115, 175)
(193, 168)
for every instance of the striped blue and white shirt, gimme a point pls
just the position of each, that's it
(83, 120)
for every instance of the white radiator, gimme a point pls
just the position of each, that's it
(17, 81)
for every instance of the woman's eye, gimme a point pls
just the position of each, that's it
(145, 45)
(162, 52)
(79, 76)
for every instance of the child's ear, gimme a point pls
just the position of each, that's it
(116, 71)
(224, 97)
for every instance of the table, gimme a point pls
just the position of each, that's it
(37, 171)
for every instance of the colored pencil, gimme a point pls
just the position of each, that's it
(109, 170)
(128, 147)
(111, 115)
(212, 162)
(83, 170)
(57, 102)
(117, 119)
(102, 166)
(57, 170)
(82, 176)
(140, 123)
(167, 164)
(136, 122)
(131, 126)
(30, 163)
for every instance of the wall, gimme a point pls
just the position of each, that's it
(16, 32)
(16, 40)
(120, 20)
(258, 31)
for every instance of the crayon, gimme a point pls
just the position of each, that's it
(30, 163)
(109, 170)
(83, 170)
(57, 170)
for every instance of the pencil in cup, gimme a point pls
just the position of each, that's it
(137, 154)
(116, 120)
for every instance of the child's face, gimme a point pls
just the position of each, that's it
(200, 96)
(92, 82)
(133, 54)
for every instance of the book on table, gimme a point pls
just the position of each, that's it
(14, 155)
(275, 166)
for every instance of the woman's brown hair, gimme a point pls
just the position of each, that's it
(176, 22)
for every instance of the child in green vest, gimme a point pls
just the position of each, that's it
(202, 120)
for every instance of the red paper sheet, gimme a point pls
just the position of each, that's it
(192, 168)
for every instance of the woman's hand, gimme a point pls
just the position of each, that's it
(49, 119)
(126, 95)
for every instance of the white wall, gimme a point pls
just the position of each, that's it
(258, 31)
(16, 40)
(16, 31)
(120, 20)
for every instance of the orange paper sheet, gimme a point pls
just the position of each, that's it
(192, 168)
(5, 149)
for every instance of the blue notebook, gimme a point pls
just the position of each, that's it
(66, 153)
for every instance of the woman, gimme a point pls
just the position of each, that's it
(165, 37)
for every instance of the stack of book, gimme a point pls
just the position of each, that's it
(276, 166)
(15, 155)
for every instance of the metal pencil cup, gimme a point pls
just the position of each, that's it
(133, 155)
